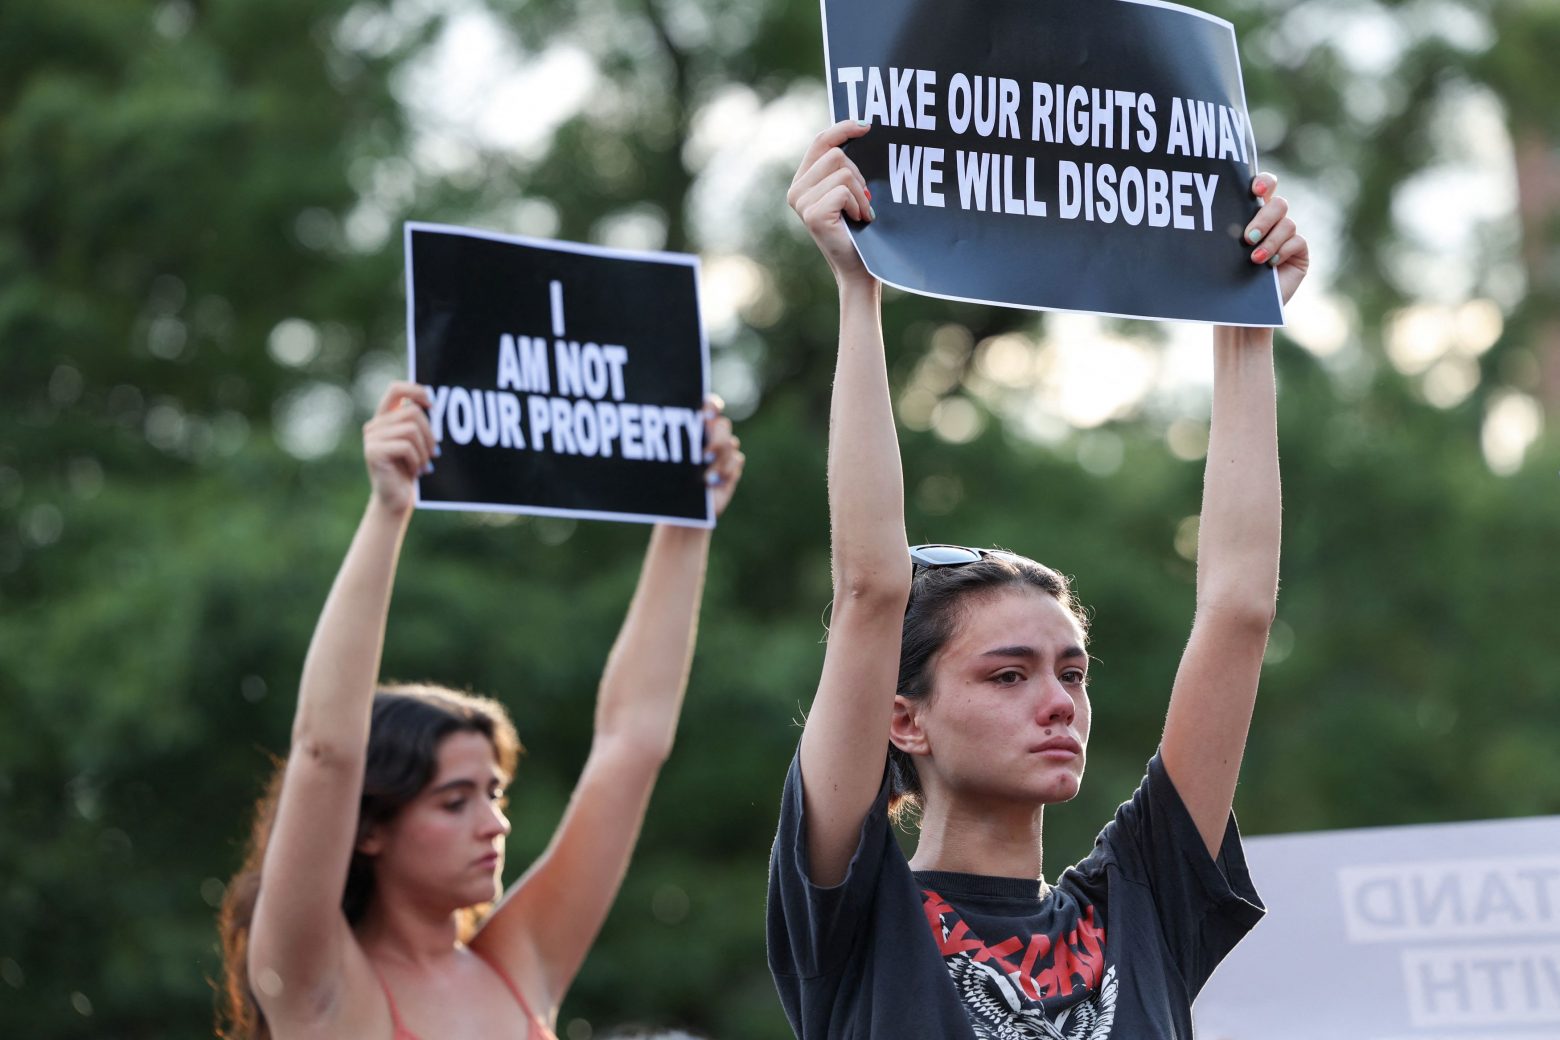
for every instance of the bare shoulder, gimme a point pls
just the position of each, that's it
(505, 945)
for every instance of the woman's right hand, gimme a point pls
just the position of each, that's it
(827, 188)
(398, 446)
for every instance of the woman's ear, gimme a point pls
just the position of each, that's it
(372, 841)
(904, 730)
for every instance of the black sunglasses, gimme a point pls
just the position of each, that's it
(936, 555)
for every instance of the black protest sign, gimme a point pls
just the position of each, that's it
(1048, 154)
(567, 380)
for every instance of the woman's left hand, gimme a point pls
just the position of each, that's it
(1273, 239)
(724, 450)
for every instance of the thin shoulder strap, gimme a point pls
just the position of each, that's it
(539, 1028)
(400, 1032)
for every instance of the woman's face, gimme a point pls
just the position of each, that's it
(1007, 718)
(447, 844)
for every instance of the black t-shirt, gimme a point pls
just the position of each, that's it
(1117, 948)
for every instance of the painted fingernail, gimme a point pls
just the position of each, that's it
(712, 479)
(869, 193)
(1261, 188)
(709, 455)
(1254, 235)
(863, 122)
(428, 469)
(871, 213)
(1273, 262)
(437, 451)
(1259, 257)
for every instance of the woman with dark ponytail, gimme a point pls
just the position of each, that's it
(955, 684)
(365, 908)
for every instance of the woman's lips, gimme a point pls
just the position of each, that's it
(1061, 749)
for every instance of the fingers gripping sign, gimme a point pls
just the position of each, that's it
(827, 189)
(1272, 236)
(723, 453)
(398, 445)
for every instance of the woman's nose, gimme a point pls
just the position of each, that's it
(1056, 704)
(495, 822)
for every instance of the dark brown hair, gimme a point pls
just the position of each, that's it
(939, 598)
(406, 727)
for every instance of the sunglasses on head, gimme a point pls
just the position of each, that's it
(935, 555)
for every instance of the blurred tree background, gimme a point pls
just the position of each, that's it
(200, 297)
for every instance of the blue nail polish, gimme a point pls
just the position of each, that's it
(709, 455)
(428, 469)
(712, 479)
(437, 451)
(1254, 236)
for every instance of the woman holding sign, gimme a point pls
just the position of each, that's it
(956, 682)
(382, 837)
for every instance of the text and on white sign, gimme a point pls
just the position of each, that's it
(1443, 932)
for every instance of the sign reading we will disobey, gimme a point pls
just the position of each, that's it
(1072, 156)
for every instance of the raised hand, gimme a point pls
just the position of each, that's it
(1273, 239)
(827, 188)
(724, 450)
(398, 445)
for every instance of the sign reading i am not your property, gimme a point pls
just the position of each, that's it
(566, 379)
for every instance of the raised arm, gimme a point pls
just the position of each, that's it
(547, 921)
(1237, 549)
(299, 937)
(845, 743)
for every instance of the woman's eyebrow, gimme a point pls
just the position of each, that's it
(1012, 651)
(450, 785)
(1029, 652)
(496, 780)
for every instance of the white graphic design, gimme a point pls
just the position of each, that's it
(998, 1010)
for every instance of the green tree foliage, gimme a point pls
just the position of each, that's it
(198, 286)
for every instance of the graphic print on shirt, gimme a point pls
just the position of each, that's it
(1002, 985)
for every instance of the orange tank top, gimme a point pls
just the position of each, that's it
(539, 1030)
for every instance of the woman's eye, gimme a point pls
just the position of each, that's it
(456, 806)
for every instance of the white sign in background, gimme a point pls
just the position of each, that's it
(1437, 932)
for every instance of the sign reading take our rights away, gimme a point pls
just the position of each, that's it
(1092, 157)
(566, 379)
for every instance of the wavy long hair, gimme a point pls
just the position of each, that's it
(406, 727)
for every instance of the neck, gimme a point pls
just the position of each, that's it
(400, 929)
(1002, 839)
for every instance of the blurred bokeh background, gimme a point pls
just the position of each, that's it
(200, 297)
